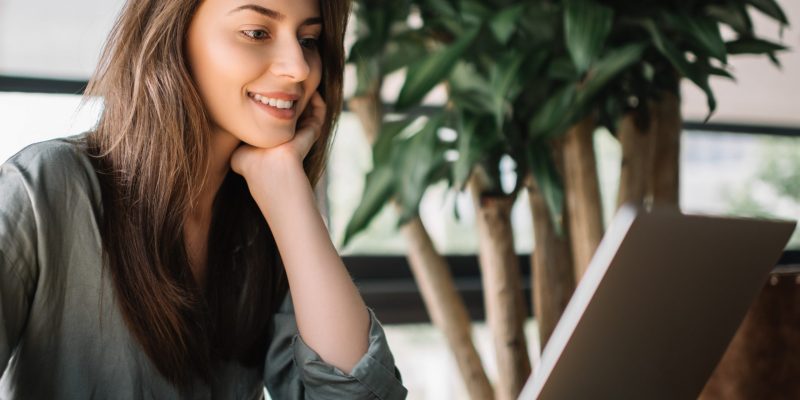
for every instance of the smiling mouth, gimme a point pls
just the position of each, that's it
(272, 102)
(282, 110)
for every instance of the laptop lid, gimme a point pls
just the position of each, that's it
(657, 306)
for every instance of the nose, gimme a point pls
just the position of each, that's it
(290, 61)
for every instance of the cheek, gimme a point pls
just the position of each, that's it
(315, 77)
(311, 84)
(220, 69)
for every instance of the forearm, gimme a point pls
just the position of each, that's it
(331, 315)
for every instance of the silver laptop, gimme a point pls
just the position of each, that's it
(657, 307)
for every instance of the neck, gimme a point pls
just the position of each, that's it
(198, 219)
(220, 149)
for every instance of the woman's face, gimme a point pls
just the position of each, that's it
(256, 65)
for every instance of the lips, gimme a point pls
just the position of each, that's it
(278, 105)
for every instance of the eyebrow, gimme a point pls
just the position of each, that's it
(272, 14)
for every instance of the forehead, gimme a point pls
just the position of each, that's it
(280, 10)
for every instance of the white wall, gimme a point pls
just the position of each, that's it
(53, 39)
(763, 94)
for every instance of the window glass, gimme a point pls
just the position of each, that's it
(742, 175)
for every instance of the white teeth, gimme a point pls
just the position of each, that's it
(273, 102)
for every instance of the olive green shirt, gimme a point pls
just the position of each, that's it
(62, 336)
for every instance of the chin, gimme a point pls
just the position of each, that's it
(267, 139)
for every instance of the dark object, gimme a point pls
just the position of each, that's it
(763, 360)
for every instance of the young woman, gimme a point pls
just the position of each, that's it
(176, 251)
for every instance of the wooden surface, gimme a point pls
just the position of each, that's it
(763, 360)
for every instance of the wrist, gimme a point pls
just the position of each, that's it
(280, 186)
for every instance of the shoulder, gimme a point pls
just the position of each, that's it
(53, 169)
(61, 156)
(48, 189)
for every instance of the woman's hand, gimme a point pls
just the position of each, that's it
(331, 316)
(255, 164)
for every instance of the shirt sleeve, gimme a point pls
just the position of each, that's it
(295, 371)
(17, 259)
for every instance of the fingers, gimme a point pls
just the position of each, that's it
(309, 128)
(314, 114)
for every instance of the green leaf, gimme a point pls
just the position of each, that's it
(697, 75)
(475, 141)
(427, 73)
(541, 22)
(503, 24)
(462, 168)
(665, 47)
(700, 75)
(571, 102)
(402, 51)
(771, 9)
(586, 26)
(774, 59)
(548, 183)
(378, 191)
(550, 118)
(704, 31)
(386, 141)
(720, 72)
(562, 69)
(474, 11)
(705, 66)
(505, 78)
(374, 22)
(443, 8)
(416, 162)
(751, 45)
(612, 64)
(469, 89)
(734, 15)
(380, 184)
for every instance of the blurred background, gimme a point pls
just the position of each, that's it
(744, 160)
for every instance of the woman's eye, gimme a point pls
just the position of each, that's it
(309, 42)
(256, 34)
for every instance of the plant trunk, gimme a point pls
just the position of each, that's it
(502, 289)
(636, 134)
(582, 191)
(432, 274)
(369, 111)
(666, 156)
(445, 306)
(553, 277)
(650, 141)
(763, 359)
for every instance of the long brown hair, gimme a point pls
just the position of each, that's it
(150, 152)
